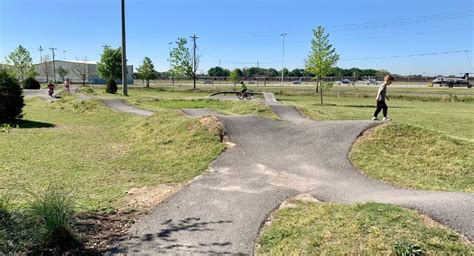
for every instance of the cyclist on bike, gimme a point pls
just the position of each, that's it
(51, 89)
(243, 88)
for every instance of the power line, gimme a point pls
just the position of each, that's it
(364, 58)
(407, 55)
(379, 24)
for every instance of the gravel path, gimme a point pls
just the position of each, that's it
(221, 212)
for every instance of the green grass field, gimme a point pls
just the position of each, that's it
(451, 118)
(367, 229)
(100, 153)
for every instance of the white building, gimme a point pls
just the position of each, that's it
(45, 71)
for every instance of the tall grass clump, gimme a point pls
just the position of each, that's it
(52, 211)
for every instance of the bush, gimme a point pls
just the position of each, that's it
(404, 248)
(11, 99)
(31, 83)
(53, 210)
(111, 86)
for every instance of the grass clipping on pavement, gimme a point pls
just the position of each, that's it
(367, 229)
(412, 157)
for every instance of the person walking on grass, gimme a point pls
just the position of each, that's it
(381, 96)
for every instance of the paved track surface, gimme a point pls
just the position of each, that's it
(119, 105)
(221, 212)
(41, 93)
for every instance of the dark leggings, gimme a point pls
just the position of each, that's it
(381, 106)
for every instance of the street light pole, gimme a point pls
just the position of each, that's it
(124, 53)
(283, 35)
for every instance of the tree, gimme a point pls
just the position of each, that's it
(147, 71)
(47, 66)
(81, 70)
(181, 62)
(381, 73)
(235, 76)
(218, 72)
(62, 72)
(321, 59)
(110, 65)
(11, 99)
(21, 63)
(296, 72)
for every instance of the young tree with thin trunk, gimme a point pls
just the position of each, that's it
(321, 60)
(147, 71)
(21, 64)
(181, 61)
(62, 72)
(47, 66)
(81, 70)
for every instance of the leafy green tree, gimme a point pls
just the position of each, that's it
(21, 65)
(110, 65)
(381, 73)
(147, 71)
(296, 72)
(218, 72)
(181, 62)
(321, 59)
(271, 72)
(235, 76)
(62, 72)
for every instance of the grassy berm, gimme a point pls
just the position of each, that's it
(97, 155)
(367, 229)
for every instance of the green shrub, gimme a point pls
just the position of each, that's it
(11, 99)
(53, 210)
(5, 207)
(111, 86)
(404, 248)
(31, 83)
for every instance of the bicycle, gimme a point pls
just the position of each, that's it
(243, 96)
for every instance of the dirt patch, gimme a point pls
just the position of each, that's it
(213, 125)
(143, 199)
(99, 232)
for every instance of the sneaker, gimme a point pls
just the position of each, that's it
(386, 119)
(375, 119)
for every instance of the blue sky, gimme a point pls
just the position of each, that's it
(242, 32)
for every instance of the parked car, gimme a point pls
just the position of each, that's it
(371, 81)
(345, 81)
(299, 81)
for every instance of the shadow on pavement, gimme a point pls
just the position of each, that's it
(164, 241)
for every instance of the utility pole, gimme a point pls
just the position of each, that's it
(124, 53)
(64, 55)
(194, 37)
(219, 63)
(54, 63)
(41, 49)
(283, 35)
